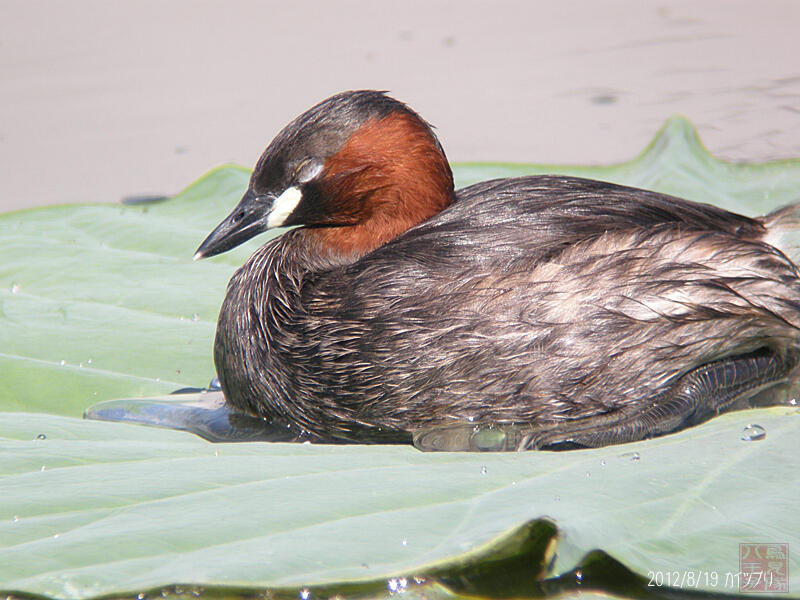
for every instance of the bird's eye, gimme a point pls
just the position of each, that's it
(306, 170)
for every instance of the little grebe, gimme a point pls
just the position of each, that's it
(585, 312)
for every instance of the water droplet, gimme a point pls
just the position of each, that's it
(80, 365)
(63, 362)
(471, 419)
(419, 580)
(793, 402)
(141, 596)
(15, 519)
(195, 317)
(632, 456)
(305, 594)
(487, 438)
(579, 577)
(216, 452)
(56, 536)
(394, 586)
(41, 436)
(14, 288)
(753, 433)
(484, 470)
(158, 380)
(403, 583)
(89, 361)
(214, 385)
(42, 469)
(404, 542)
(602, 462)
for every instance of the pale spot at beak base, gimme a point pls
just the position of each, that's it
(284, 206)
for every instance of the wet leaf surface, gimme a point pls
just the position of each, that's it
(103, 302)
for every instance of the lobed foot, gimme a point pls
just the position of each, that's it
(202, 412)
(759, 378)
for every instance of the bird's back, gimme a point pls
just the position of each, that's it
(541, 298)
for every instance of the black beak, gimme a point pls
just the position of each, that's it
(248, 219)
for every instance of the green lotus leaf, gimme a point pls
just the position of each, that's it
(104, 301)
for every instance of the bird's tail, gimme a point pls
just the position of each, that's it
(783, 230)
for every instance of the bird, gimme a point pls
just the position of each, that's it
(559, 312)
